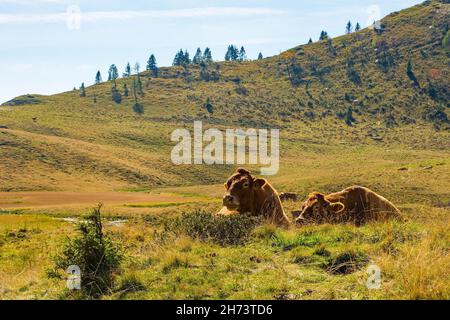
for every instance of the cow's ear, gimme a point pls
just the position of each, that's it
(243, 171)
(337, 207)
(259, 183)
(320, 197)
(314, 195)
(225, 185)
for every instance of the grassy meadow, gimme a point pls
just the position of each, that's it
(63, 154)
(272, 263)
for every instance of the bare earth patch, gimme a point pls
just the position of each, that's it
(28, 200)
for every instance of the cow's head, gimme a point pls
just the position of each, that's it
(240, 194)
(318, 209)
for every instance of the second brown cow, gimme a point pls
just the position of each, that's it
(356, 205)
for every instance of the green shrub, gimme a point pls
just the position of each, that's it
(116, 96)
(138, 108)
(94, 253)
(223, 230)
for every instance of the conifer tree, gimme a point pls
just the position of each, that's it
(242, 54)
(138, 81)
(232, 53)
(207, 55)
(98, 77)
(152, 66)
(82, 91)
(323, 35)
(349, 28)
(186, 59)
(127, 71)
(178, 58)
(113, 73)
(181, 58)
(198, 58)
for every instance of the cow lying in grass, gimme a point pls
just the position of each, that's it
(247, 194)
(356, 205)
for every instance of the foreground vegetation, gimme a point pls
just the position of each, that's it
(315, 262)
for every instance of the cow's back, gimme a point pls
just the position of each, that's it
(363, 205)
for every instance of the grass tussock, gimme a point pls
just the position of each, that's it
(421, 271)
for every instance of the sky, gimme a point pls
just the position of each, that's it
(51, 46)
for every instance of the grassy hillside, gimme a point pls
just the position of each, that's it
(66, 142)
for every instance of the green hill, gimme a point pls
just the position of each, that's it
(328, 96)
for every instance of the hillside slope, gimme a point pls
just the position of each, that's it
(350, 91)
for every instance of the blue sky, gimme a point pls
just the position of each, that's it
(50, 46)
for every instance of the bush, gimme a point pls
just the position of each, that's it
(116, 96)
(349, 119)
(223, 230)
(138, 108)
(95, 254)
(208, 106)
(435, 114)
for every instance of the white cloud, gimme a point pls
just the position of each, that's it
(127, 15)
(33, 2)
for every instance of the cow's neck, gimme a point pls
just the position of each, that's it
(259, 199)
(251, 203)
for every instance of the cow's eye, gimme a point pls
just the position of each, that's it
(246, 185)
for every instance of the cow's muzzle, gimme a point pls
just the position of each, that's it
(230, 202)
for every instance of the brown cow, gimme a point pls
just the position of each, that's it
(247, 194)
(356, 204)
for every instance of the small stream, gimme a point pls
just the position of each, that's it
(112, 223)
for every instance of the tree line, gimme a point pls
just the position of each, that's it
(182, 58)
